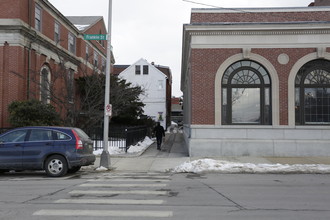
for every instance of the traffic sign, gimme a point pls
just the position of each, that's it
(108, 110)
(95, 37)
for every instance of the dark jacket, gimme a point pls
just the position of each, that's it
(159, 131)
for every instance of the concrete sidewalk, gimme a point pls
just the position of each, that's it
(173, 154)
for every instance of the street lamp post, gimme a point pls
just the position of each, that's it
(105, 156)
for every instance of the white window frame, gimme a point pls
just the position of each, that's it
(87, 53)
(96, 59)
(57, 32)
(72, 43)
(38, 18)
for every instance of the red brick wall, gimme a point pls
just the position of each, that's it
(14, 9)
(14, 59)
(283, 72)
(12, 83)
(206, 62)
(260, 17)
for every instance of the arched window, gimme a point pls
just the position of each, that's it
(246, 94)
(312, 93)
(45, 84)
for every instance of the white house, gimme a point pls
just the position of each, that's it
(153, 82)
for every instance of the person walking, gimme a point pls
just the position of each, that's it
(160, 133)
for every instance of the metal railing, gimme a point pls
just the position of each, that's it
(121, 137)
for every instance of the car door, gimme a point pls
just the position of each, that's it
(39, 143)
(11, 149)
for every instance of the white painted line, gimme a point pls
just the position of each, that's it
(122, 185)
(136, 176)
(130, 192)
(128, 180)
(111, 201)
(104, 213)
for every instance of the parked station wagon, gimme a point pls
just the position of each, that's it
(57, 150)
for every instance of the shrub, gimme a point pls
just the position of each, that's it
(32, 113)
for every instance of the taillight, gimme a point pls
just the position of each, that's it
(79, 143)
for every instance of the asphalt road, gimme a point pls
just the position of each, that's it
(139, 195)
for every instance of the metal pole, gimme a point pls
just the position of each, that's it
(105, 156)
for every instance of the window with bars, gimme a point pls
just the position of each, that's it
(312, 93)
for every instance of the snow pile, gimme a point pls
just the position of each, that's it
(139, 147)
(81, 27)
(210, 165)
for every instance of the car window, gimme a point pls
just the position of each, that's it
(15, 136)
(61, 136)
(81, 133)
(40, 135)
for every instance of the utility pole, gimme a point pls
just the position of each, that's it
(105, 156)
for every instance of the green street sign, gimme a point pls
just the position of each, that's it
(95, 37)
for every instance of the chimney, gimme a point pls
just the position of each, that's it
(320, 3)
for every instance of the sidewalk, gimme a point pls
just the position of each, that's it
(173, 154)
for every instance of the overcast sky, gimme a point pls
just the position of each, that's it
(152, 29)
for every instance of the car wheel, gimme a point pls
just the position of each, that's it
(56, 166)
(74, 169)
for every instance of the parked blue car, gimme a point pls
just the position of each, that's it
(57, 150)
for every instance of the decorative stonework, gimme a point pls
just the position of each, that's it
(246, 53)
(321, 52)
(283, 59)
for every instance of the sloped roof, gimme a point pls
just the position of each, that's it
(117, 69)
(83, 22)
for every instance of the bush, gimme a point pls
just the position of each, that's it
(32, 113)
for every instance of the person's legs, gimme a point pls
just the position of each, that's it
(159, 142)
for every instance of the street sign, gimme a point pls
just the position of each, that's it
(95, 37)
(108, 110)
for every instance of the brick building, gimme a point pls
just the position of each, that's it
(42, 51)
(256, 82)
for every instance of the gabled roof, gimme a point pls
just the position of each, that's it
(163, 69)
(82, 23)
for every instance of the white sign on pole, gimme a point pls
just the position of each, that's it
(108, 110)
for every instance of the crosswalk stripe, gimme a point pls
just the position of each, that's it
(136, 176)
(130, 180)
(130, 192)
(111, 201)
(122, 185)
(104, 213)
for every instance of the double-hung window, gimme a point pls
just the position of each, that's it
(57, 32)
(145, 69)
(96, 59)
(72, 43)
(137, 70)
(37, 18)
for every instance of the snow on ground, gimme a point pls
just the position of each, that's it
(139, 147)
(220, 166)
